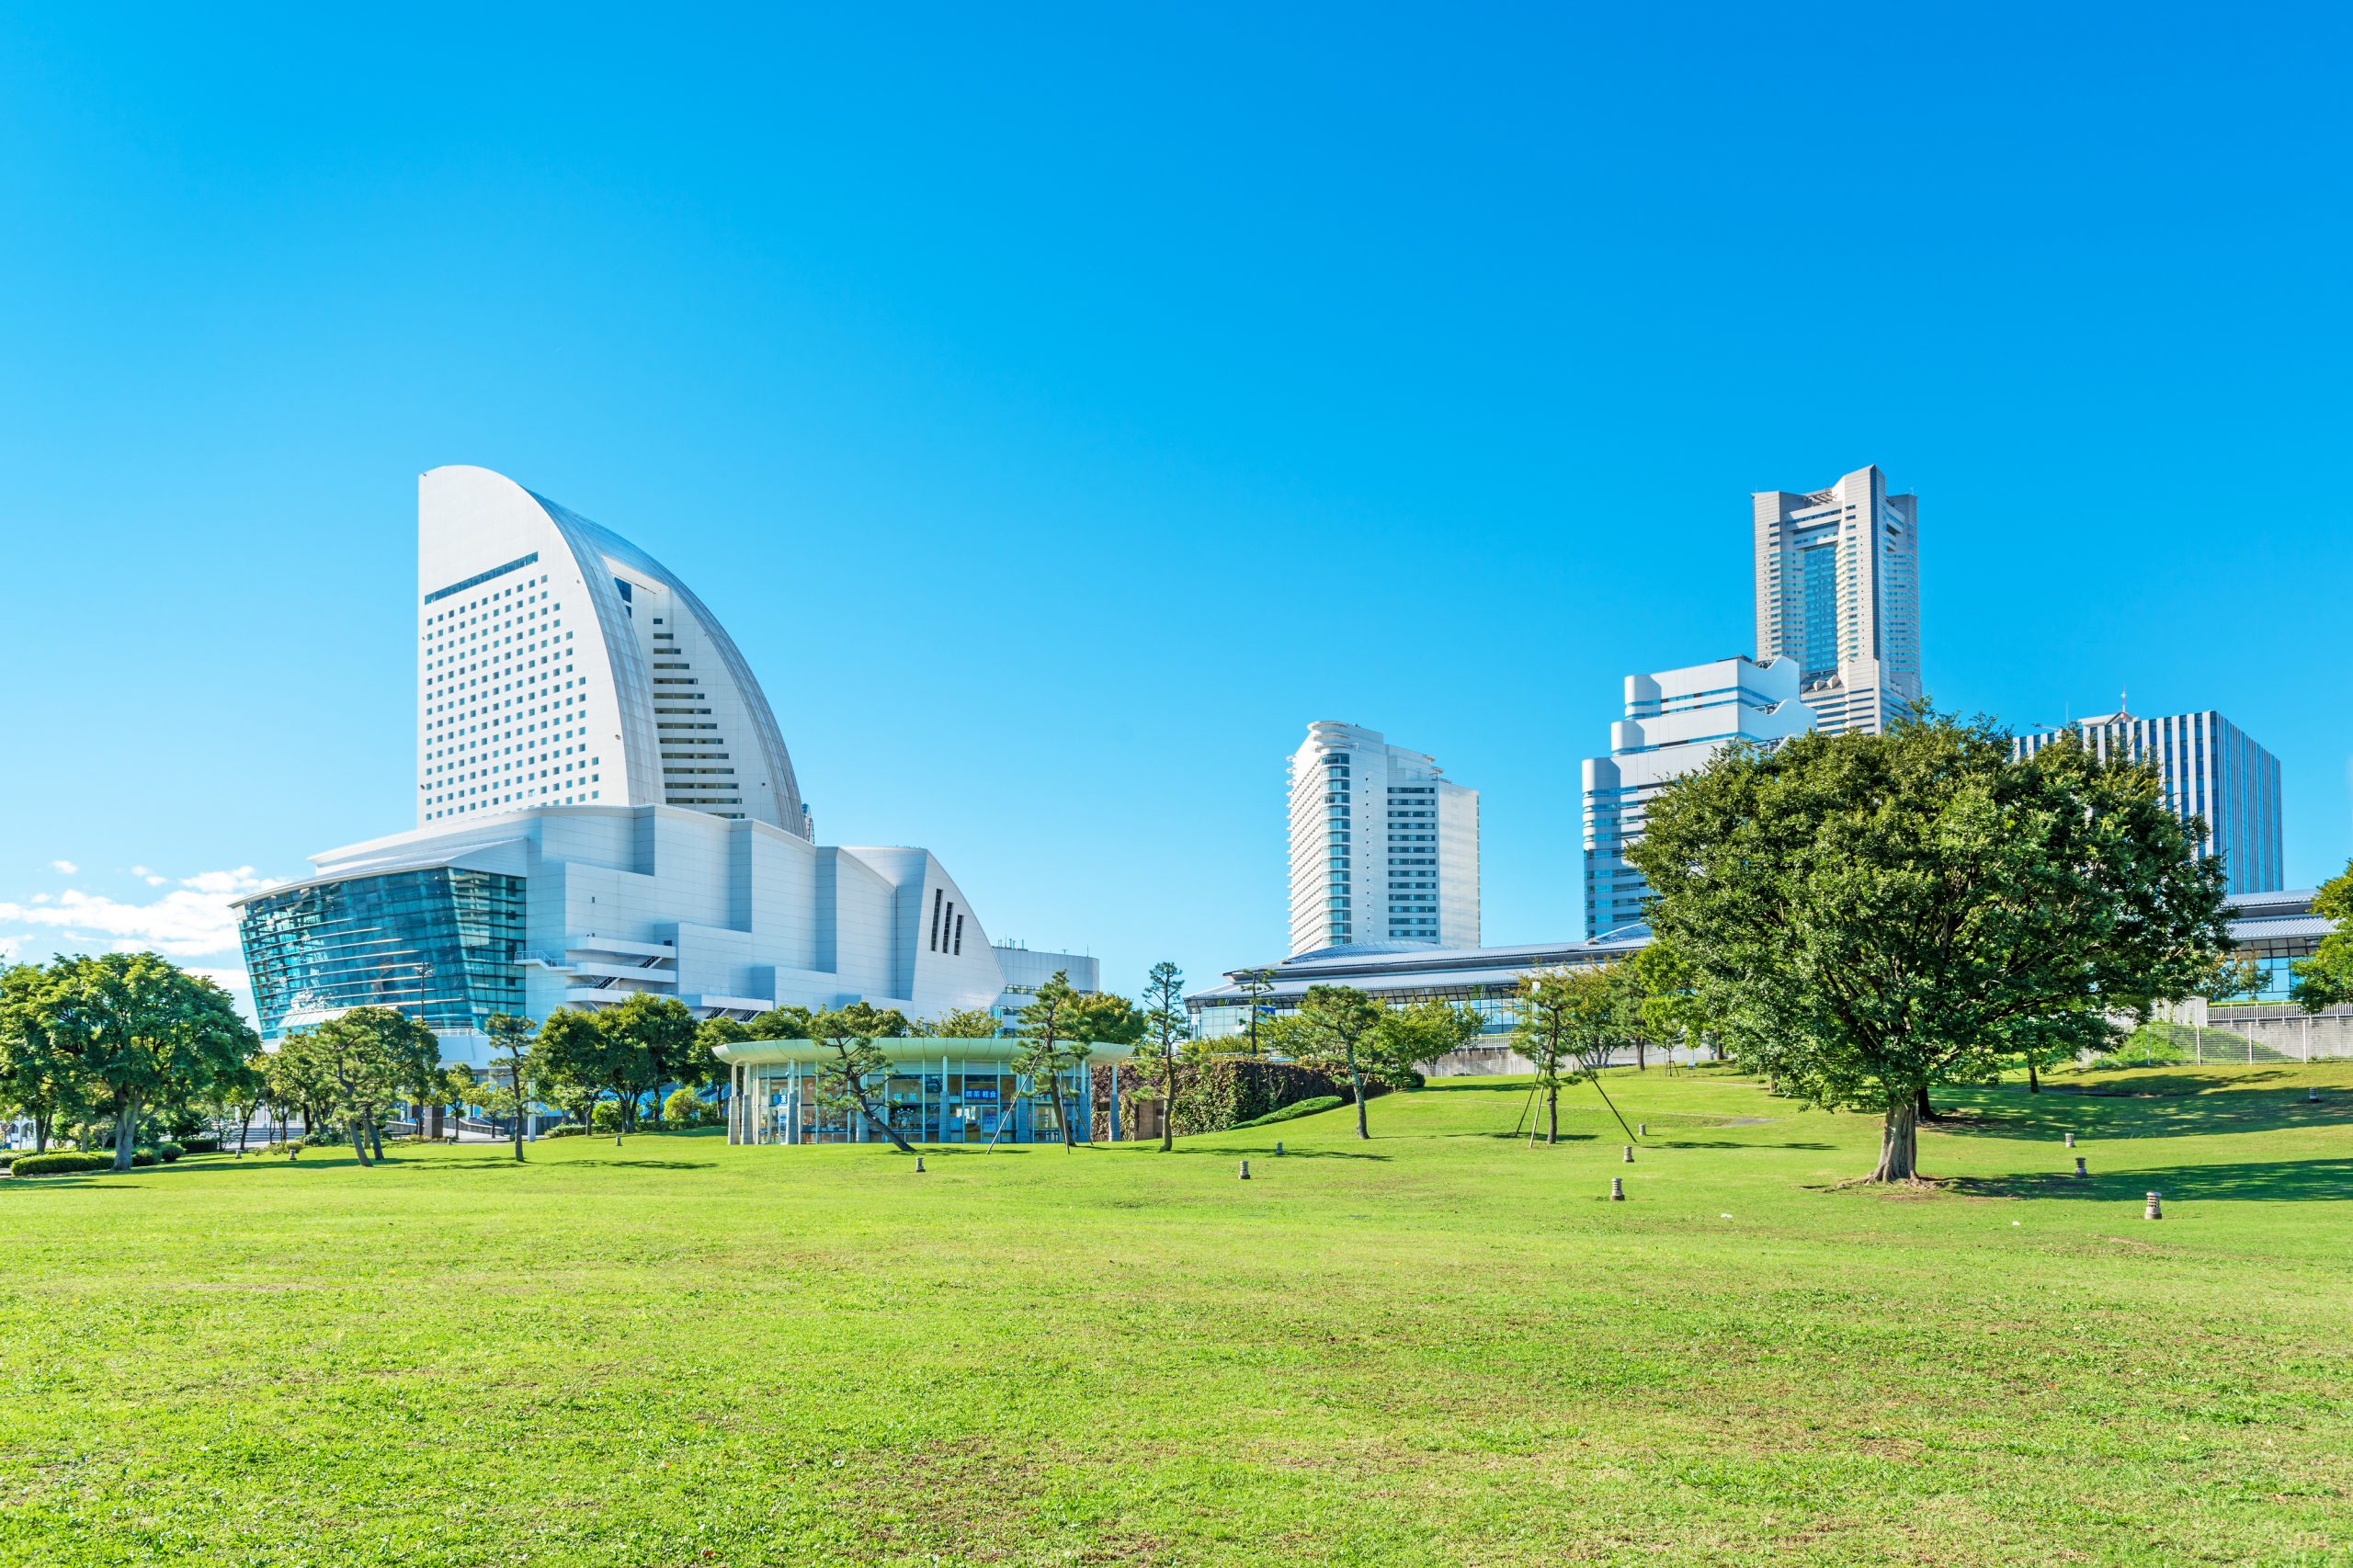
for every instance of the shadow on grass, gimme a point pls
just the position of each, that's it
(2179, 1103)
(2277, 1181)
(1267, 1150)
(640, 1164)
(1728, 1143)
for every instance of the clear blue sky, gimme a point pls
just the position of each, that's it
(1064, 408)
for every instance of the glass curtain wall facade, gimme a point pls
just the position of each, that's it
(439, 944)
(946, 1100)
(2208, 768)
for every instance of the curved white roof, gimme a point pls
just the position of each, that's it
(561, 664)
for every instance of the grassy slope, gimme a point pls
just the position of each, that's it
(1441, 1346)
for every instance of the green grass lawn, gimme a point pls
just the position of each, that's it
(1440, 1346)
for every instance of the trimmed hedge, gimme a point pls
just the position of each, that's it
(64, 1161)
(168, 1151)
(1221, 1092)
(565, 1130)
(1297, 1108)
(200, 1143)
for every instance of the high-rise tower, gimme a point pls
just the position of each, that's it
(1838, 591)
(1382, 847)
(560, 664)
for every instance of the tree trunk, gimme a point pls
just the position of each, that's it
(1356, 1082)
(1899, 1145)
(40, 1134)
(126, 1132)
(1552, 1114)
(880, 1125)
(1167, 1107)
(359, 1141)
(1921, 1107)
(1061, 1119)
(515, 1087)
(1642, 1060)
(2033, 1084)
(376, 1136)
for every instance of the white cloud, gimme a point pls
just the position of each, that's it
(227, 884)
(67, 866)
(192, 921)
(149, 876)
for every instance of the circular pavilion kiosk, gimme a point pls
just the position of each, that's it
(937, 1090)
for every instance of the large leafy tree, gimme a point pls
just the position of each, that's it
(1335, 1024)
(2325, 978)
(357, 1065)
(850, 1034)
(658, 1034)
(578, 1050)
(1054, 1039)
(1408, 1036)
(1865, 915)
(40, 1066)
(144, 1030)
(1167, 1031)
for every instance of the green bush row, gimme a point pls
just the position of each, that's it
(1297, 1108)
(64, 1161)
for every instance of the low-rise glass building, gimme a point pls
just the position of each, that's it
(935, 1091)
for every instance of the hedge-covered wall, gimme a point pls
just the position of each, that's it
(1212, 1096)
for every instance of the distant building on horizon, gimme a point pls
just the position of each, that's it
(1384, 848)
(1838, 574)
(1676, 720)
(2210, 769)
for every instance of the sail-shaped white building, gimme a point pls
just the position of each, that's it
(604, 806)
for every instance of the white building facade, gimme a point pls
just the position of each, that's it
(1384, 848)
(2210, 768)
(1676, 721)
(1838, 593)
(605, 807)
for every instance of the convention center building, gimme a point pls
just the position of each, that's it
(605, 807)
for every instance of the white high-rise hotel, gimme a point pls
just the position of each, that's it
(1838, 591)
(1384, 849)
(605, 807)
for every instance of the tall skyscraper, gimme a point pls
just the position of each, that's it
(1382, 849)
(560, 664)
(1838, 591)
(1676, 720)
(2208, 768)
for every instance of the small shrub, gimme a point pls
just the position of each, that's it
(1298, 1108)
(200, 1143)
(683, 1107)
(565, 1130)
(142, 1157)
(606, 1117)
(168, 1151)
(65, 1162)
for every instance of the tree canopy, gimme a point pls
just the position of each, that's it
(2325, 978)
(1865, 914)
(138, 1029)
